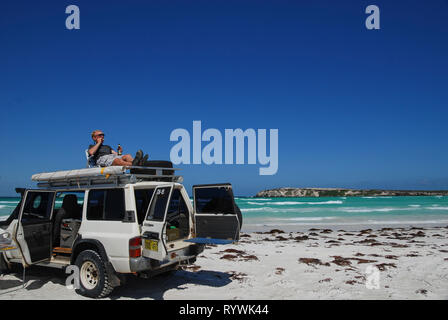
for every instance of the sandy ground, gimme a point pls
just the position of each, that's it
(399, 263)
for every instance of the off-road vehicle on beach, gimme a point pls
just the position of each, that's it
(114, 221)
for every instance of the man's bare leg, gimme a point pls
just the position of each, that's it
(121, 162)
(127, 158)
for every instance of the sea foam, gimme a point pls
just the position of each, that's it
(364, 210)
(289, 203)
(310, 219)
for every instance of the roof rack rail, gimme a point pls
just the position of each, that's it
(105, 176)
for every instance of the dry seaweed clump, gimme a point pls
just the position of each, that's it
(313, 261)
(249, 257)
(279, 270)
(301, 238)
(422, 291)
(273, 231)
(233, 251)
(340, 261)
(237, 254)
(383, 266)
(234, 275)
(229, 257)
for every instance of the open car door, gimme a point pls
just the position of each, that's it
(217, 217)
(34, 229)
(153, 228)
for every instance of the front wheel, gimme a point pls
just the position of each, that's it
(93, 277)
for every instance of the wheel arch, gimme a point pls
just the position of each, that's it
(88, 244)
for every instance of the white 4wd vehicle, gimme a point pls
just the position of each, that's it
(109, 222)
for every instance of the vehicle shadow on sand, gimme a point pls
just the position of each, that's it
(35, 278)
(155, 288)
(134, 288)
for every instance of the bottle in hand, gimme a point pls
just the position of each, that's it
(119, 150)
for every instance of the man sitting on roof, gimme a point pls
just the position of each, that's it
(105, 156)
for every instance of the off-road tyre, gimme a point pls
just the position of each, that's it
(94, 278)
(156, 164)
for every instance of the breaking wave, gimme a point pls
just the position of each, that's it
(289, 203)
(354, 223)
(310, 219)
(253, 209)
(364, 210)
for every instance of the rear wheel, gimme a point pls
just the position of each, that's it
(94, 279)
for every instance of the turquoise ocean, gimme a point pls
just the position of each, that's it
(349, 213)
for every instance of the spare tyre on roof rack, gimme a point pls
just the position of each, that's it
(155, 164)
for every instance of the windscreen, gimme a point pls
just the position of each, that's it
(214, 200)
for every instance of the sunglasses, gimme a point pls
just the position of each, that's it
(100, 135)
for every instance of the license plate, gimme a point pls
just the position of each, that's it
(152, 245)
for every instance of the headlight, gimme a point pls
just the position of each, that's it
(5, 235)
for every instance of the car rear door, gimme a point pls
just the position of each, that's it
(215, 212)
(34, 229)
(153, 228)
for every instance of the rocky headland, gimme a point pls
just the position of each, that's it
(341, 192)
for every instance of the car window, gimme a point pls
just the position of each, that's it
(158, 204)
(177, 209)
(106, 204)
(142, 200)
(61, 195)
(177, 204)
(214, 200)
(37, 206)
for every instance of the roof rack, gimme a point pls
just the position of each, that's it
(105, 176)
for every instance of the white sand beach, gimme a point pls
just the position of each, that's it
(412, 263)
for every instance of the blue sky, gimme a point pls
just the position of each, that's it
(354, 107)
